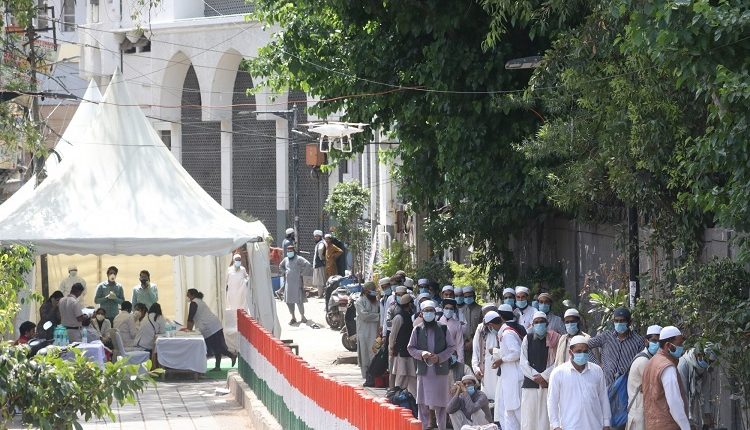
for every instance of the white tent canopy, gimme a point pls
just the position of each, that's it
(124, 193)
(119, 191)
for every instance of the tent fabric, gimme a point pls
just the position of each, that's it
(78, 125)
(124, 193)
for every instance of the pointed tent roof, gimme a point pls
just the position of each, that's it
(124, 193)
(79, 123)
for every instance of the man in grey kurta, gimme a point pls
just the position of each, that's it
(368, 323)
(432, 347)
(293, 267)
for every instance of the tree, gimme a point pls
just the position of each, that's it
(417, 69)
(346, 205)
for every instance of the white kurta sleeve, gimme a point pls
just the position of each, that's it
(674, 398)
(553, 400)
(475, 364)
(604, 400)
(512, 348)
(525, 367)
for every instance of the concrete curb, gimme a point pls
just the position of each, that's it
(242, 394)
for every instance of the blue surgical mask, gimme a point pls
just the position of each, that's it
(387, 292)
(580, 358)
(540, 329)
(448, 313)
(510, 302)
(535, 304)
(423, 290)
(288, 254)
(468, 300)
(703, 364)
(544, 307)
(428, 316)
(621, 327)
(653, 347)
(522, 304)
(372, 293)
(237, 263)
(459, 300)
(678, 351)
(571, 328)
(471, 390)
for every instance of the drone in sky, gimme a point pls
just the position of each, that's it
(335, 134)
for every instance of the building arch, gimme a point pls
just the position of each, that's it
(173, 77)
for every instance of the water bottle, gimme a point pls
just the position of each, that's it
(84, 335)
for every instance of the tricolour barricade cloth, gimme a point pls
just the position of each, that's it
(302, 397)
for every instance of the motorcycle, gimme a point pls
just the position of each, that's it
(337, 306)
(349, 330)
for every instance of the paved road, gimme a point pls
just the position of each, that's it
(322, 347)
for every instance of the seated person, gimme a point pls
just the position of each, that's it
(91, 333)
(469, 405)
(151, 325)
(126, 324)
(27, 330)
(101, 324)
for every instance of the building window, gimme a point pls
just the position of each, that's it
(94, 11)
(69, 15)
(42, 15)
(166, 137)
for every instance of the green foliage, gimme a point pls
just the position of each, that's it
(435, 270)
(15, 262)
(474, 276)
(346, 205)
(395, 258)
(458, 163)
(709, 303)
(53, 392)
(540, 279)
(604, 303)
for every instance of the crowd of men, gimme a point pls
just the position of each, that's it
(516, 365)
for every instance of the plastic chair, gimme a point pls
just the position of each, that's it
(133, 357)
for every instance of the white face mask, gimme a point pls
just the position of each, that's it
(73, 273)
(137, 314)
(100, 317)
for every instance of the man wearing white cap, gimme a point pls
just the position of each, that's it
(664, 399)
(289, 239)
(402, 366)
(509, 297)
(507, 358)
(577, 397)
(572, 328)
(524, 311)
(294, 267)
(71, 279)
(473, 317)
(385, 286)
(236, 285)
(319, 263)
(538, 351)
(484, 341)
(431, 346)
(635, 378)
(469, 406)
(554, 322)
(448, 292)
(450, 319)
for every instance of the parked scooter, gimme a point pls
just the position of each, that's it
(349, 330)
(337, 306)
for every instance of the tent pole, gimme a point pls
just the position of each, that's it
(45, 275)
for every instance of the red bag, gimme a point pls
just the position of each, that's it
(381, 381)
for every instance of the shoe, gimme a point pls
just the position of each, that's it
(293, 321)
(304, 320)
(234, 359)
(216, 368)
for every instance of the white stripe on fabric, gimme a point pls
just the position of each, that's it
(300, 405)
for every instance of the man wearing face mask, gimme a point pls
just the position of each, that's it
(319, 263)
(577, 396)
(469, 406)
(126, 325)
(455, 329)
(368, 318)
(572, 329)
(294, 267)
(432, 346)
(385, 288)
(72, 278)
(236, 285)
(524, 312)
(664, 398)
(423, 286)
(109, 294)
(635, 379)
(145, 292)
(538, 352)
(618, 346)
(554, 322)
(506, 358)
(71, 313)
(692, 367)
(473, 317)
(509, 297)
(403, 369)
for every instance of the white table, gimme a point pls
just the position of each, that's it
(94, 351)
(183, 352)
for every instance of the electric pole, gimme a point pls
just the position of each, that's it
(295, 166)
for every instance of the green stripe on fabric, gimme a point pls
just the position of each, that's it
(273, 402)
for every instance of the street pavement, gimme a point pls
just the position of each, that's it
(177, 405)
(322, 347)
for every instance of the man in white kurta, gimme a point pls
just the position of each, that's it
(368, 325)
(524, 310)
(481, 357)
(577, 397)
(236, 285)
(635, 379)
(507, 356)
(537, 361)
(319, 263)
